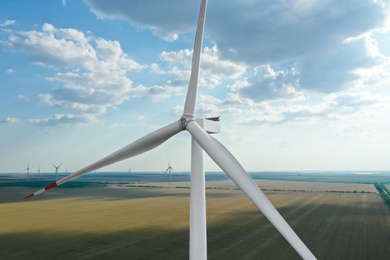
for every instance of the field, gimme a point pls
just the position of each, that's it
(152, 223)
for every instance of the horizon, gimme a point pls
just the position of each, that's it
(81, 79)
(124, 172)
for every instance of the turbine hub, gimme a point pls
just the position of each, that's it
(184, 120)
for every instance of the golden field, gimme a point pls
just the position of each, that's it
(152, 223)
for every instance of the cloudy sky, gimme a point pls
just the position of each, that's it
(299, 85)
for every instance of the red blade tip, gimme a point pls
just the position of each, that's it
(42, 190)
(51, 186)
(29, 196)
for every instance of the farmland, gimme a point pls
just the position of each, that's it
(148, 223)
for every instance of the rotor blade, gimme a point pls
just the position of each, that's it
(224, 159)
(189, 106)
(142, 145)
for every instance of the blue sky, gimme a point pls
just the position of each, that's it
(299, 85)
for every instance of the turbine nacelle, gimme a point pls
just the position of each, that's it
(211, 125)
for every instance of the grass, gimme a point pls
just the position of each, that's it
(145, 223)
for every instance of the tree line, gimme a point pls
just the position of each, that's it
(383, 191)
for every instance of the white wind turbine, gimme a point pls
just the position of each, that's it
(56, 167)
(129, 175)
(169, 170)
(27, 171)
(201, 141)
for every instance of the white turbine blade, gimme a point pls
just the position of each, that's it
(142, 145)
(224, 159)
(189, 106)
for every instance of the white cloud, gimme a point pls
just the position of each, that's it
(309, 34)
(214, 70)
(65, 120)
(94, 76)
(156, 92)
(276, 52)
(167, 19)
(266, 84)
(274, 56)
(9, 120)
(10, 71)
(344, 107)
(7, 23)
(72, 49)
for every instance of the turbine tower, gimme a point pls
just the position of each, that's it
(169, 170)
(200, 130)
(56, 167)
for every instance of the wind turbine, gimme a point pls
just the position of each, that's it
(56, 167)
(129, 174)
(201, 141)
(27, 170)
(169, 170)
(39, 171)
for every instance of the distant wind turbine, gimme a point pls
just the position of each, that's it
(27, 171)
(201, 141)
(169, 170)
(56, 167)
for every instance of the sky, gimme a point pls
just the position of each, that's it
(299, 85)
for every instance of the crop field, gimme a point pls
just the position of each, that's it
(275, 185)
(152, 223)
(301, 186)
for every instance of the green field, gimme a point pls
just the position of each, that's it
(152, 223)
